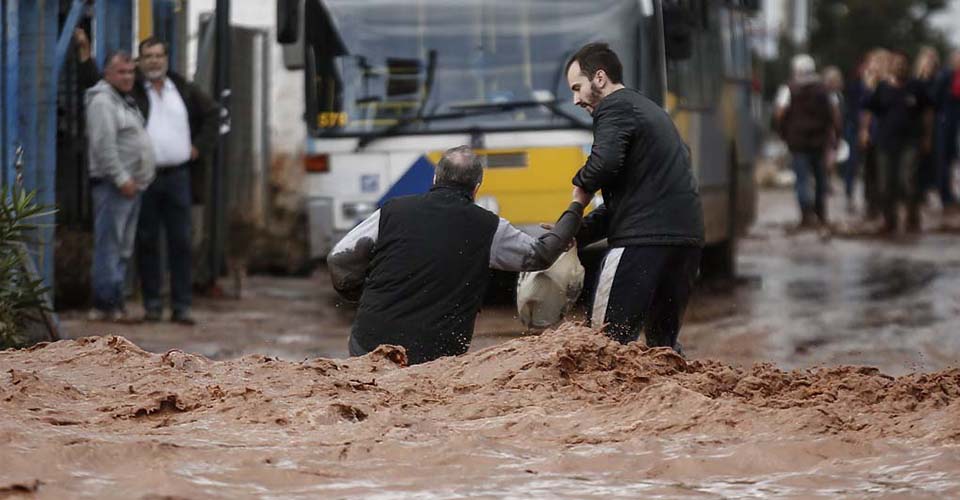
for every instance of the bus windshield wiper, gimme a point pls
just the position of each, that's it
(553, 106)
(466, 111)
(403, 123)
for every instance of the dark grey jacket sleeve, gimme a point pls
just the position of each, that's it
(613, 130)
(595, 226)
(350, 258)
(514, 250)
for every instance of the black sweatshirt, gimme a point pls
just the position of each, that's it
(642, 166)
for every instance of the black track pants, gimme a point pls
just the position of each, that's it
(645, 288)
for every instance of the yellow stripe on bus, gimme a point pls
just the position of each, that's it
(535, 193)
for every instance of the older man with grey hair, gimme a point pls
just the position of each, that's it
(420, 265)
(122, 165)
(808, 120)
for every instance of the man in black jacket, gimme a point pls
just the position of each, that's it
(182, 124)
(651, 213)
(420, 264)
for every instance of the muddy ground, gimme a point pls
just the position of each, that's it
(768, 403)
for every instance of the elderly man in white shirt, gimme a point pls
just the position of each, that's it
(182, 125)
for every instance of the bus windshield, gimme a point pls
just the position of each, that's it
(445, 66)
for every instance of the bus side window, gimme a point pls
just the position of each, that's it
(679, 24)
(687, 77)
(695, 80)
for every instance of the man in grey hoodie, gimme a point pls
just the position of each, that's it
(121, 167)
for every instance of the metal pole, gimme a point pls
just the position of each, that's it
(11, 87)
(222, 92)
(659, 54)
(66, 34)
(37, 116)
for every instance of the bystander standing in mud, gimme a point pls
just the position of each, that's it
(121, 168)
(651, 213)
(925, 71)
(946, 98)
(904, 116)
(853, 98)
(875, 72)
(809, 121)
(182, 124)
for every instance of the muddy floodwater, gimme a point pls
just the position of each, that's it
(569, 414)
(829, 370)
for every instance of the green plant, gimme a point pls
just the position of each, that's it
(22, 293)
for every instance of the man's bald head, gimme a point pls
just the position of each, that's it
(459, 167)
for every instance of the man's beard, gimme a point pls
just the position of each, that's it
(155, 74)
(595, 96)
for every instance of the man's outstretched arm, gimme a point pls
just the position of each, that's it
(514, 250)
(350, 258)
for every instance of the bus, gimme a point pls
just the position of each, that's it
(391, 84)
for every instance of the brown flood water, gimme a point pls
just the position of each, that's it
(565, 415)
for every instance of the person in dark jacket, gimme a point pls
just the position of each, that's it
(182, 124)
(419, 265)
(925, 71)
(946, 98)
(651, 214)
(808, 120)
(853, 105)
(904, 115)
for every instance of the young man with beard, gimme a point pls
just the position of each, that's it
(651, 215)
(182, 124)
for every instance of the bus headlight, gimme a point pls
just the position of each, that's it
(358, 211)
(489, 203)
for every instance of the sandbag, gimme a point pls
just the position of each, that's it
(544, 297)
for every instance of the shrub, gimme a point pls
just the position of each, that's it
(23, 296)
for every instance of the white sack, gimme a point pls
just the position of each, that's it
(544, 297)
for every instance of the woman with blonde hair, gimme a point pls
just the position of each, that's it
(927, 63)
(875, 70)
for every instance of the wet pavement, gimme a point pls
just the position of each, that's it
(802, 300)
(805, 300)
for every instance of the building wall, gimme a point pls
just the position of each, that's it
(287, 130)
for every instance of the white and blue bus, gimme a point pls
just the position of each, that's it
(391, 84)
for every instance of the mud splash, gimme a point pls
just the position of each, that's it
(565, 414)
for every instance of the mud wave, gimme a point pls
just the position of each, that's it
(101, 415)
